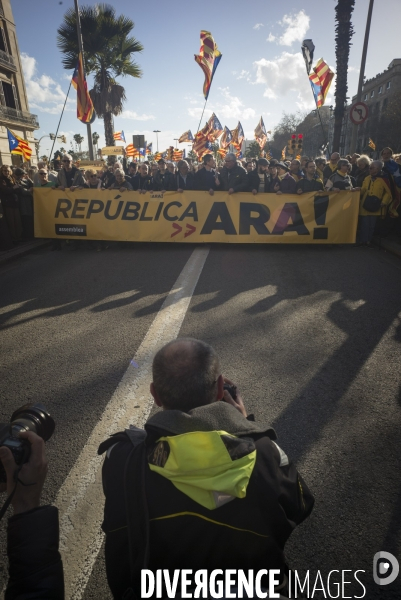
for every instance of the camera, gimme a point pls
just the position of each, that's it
(30, 417)
(231, 389)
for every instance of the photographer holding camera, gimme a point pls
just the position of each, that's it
(203, 486)
(35, 567)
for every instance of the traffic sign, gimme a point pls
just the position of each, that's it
(359, 113)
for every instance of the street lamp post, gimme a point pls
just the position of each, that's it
(176, 140)
(156, 131)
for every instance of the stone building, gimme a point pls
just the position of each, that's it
(376, 93)
(14, 109)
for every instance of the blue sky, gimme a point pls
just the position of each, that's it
(261, 72)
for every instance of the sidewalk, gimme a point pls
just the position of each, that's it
(391, 243)
(21, 249)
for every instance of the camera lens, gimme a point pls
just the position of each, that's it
(32, 417)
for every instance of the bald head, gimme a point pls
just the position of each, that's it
(185, 374)
(335, 157)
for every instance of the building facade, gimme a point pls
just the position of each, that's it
(14, 109)
(376, 94)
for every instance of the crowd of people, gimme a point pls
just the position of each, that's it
(379, 182)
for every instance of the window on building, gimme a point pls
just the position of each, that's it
(3, 41)
(381, 89)
(365, 97)
(384, 103)
(388, 86)
(9, 96)
(372, 93)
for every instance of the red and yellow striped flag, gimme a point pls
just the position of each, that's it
(85, 110)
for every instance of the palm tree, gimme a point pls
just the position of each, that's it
(95, 139)
(108, 50)
(79, 139)
(344, 33)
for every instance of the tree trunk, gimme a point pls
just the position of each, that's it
(344, 32)
(109, 129)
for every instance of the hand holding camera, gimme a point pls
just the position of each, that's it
(31, 476)
(232, 396)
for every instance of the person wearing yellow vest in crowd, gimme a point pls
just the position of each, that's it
(376, 197)
(331, 167)
(320, 166)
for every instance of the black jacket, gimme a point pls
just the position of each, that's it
(254, 180)
(235, 178)
(180, 184)
(247, 533)
(310, 185)
(164, 181)
(142, 183)
(205, 180)
(35, 570)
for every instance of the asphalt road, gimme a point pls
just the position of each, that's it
(311, 335)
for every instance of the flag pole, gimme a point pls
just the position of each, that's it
(81, 49)
(200, 121)
(58, 126)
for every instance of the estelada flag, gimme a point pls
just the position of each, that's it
(260, 133)
(208, 59)
(119, 135)
(186, 137)
(213, 129)
(85, 111)
(178, 154)
(321, 79)
(226, 138)
(149, 148)
(18, 145)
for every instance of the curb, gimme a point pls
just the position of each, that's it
(14, 253)
(388, 245)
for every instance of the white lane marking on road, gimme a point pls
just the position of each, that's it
(80, 499)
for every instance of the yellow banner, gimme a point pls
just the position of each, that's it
(196, 216)
(111, 150)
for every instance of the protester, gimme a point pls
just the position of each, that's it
(274, 180)
(10, 203)
(311, 182)
(161, 515)
(44, 179)
(249, 166)
(120, 182)
(153, 170)
(171, 168)
(354, 164)
(375, 197)
(163, 180)
(142, 180)
(207, 179)
(108, 178)
(286, 184)
(233, 178)
(320, 165)
(340, 180)
(132, 171)
(295, 169)
(362, 170)
(331, 167)
(69, 176)
(25, 199)
(391, 167)
(259, 180)
(93, 180)
(184, 180)
(50, 175)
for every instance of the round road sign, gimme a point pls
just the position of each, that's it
(359, 113)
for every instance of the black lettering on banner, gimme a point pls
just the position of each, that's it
(143, 216)
(321, 205)
(290, 212)
(63, 206)
(166, 209)
(77, 208)
(131, 211)
(246, 220)
(159, 210)
(92, 210)
(190, 212)
(117, 213)
(219, 210)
